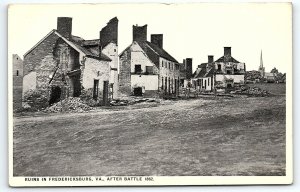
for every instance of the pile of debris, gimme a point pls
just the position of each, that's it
(71, 104)
(132, 101)
(252, 91)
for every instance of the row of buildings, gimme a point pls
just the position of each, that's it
(62, 65)
(219, 75)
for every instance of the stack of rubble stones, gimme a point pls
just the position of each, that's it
(71, 104)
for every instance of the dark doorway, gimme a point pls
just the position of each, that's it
(96, 89)
(105, 93)
(138, 91)
(169, 88)
(55, 95)
(176, 84)
(229, 86)
(76, 85)
(166, 84)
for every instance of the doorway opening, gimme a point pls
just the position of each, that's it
(55, 95)
(96, 89)
(138, 91)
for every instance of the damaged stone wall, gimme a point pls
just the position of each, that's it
(94, 70)
(17, 81)
(35, 56)
(111, 50)
(37, 66)
(124, 74)
(46, 71)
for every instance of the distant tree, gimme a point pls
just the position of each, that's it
(274, 70)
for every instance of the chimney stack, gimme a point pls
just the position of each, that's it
(64, 26)
(109, 33)
(227, 51)
(139, 33)
(189, 68)
(157, 39)
(210, 59)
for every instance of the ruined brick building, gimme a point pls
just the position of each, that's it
(62, 65)
(221, 75)
(186, 72)
(17, 81)
(146, 68)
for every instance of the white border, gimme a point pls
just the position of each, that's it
(289, 95)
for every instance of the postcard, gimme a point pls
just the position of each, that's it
(150, 94)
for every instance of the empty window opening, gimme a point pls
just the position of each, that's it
(17, 72)
(149, 70)
(219, 67)
(137, 69)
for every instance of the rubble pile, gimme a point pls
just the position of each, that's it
(131, 101)
(71, 104)
(252, 91)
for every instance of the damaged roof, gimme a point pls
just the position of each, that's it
(203, 72)
(76, 43)
(93, 42)
(227, 59)
(89, 53)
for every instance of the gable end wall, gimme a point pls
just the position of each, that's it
(34, 57)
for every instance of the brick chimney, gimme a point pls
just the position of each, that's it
(157, 39)
(210, 59)
(227, 51)
(189, 68)
(109, 33)
(139, 33)
(64, 26)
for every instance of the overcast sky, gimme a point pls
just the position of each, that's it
(190, 30)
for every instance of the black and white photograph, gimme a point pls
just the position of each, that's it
(150, 94)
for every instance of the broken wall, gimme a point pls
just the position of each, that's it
(111, 50)
(17, 81)
(94, 69)
(125, 72)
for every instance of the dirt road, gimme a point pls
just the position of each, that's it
(216, 136)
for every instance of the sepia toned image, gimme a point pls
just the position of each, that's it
(150, 94)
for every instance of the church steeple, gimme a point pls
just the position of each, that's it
(261, 68)
(261, 60)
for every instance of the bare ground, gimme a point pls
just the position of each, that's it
(205, 136)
